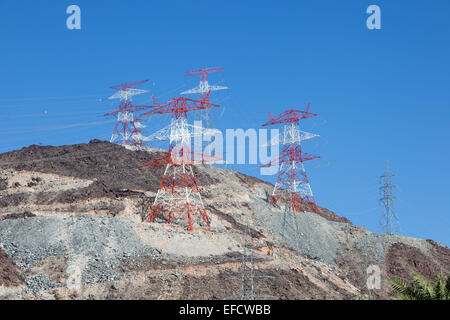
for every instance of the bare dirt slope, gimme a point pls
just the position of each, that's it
(77, 211)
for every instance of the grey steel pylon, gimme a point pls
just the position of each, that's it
(389, 223)
(248, 275)
(290, 230)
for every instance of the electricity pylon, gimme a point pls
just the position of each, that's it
(248, 275)
(292, 188)
(178, 199)
(204, 88)
(389, 223)
(128, 129)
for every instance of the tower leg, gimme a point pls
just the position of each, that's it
(178, 200)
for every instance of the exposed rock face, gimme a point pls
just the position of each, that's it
(77, 211)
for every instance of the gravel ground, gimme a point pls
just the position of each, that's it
(322, 239)
(374, 245)
(38, 283)
(96, 245)
(307, 233)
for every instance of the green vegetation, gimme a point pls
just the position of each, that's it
(421, 288)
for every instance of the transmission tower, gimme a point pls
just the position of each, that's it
(204, 89)
(175, 134)
(128, 129)
(178, 199)
(389, 223)
(290, 229)
(292, 187)
(248, 275)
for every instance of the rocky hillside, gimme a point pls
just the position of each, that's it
(77, 211)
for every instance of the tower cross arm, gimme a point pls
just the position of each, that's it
(290, 116)
(130, 108)
(297, 156)
(180, 106)
(204, 71)
(128, 85)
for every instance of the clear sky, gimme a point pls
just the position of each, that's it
(381, 94)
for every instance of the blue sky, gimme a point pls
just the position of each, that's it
(381, 94)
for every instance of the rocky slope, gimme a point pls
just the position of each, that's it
(75, 212)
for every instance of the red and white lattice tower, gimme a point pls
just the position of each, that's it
(178, 199)
(204, 88)
(292, 188)
(128, 129)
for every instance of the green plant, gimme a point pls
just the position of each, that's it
(421, 288)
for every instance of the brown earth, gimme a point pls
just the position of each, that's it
(116, 171)
(10, 274)
(403, 260)
(26, 214)
(98, 160)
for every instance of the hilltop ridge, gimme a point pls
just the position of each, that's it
(82, 205)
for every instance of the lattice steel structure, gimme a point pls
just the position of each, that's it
(178, 199)
(248, 275)
(204, 89)
(128, 129)
(292, 189)
(389, 223)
